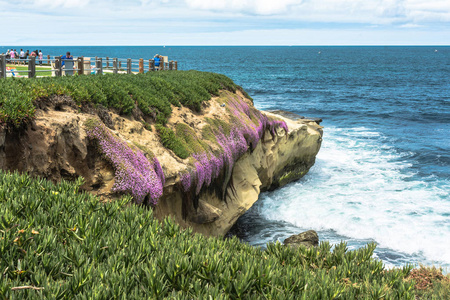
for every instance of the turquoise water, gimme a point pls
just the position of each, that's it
(383, 173)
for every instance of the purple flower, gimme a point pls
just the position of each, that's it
(249, 126)
(134, 173)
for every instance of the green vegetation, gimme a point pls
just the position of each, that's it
(171, 141)
(153, 93)
(59, 243)
(184, 142)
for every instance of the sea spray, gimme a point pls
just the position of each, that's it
(361, 189)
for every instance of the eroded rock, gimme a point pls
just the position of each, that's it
(308, 238)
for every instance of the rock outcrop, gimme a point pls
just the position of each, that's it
(56, 146)
(308, 238)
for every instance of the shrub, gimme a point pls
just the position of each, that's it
(430, 283)
(171, 141)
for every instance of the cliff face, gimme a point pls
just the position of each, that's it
(273, 163)
(57, 146)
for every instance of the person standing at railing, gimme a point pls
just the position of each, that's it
(12, 55)
(26, 57)
(41, 57)
(157, 60)
(8, 56)
(67, 58)
(22, 55)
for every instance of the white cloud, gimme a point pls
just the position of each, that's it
(340, 11)
(260, 7)
(153, 2)
(56, 3)
(409, 25)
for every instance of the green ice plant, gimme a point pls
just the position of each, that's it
(57, 242)
(153, 93)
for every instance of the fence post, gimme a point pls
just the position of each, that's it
(107, 62)
(48, 60)
(151, 65)
(161, 64)
(80, 65)
(120, 64)
(171, 65)
(176, 65)
(115, 65)
(32, 67)
(58, 66)
(141, 65)
(99, 66)
(3, 66)
(128, 65)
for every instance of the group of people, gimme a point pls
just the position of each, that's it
(12, 55)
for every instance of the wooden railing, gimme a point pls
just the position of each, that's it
(81, 65)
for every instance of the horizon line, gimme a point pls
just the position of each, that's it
(349, 45)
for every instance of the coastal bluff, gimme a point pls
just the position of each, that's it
(57, 145)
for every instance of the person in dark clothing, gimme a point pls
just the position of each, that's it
(26, 56)
(157, 60)
(67, 63)
(67, 56)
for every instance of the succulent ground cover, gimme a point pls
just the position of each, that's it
(153, 93)
(59, 243)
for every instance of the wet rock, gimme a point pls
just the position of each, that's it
(308, 238)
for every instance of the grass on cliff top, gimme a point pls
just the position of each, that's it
(59, 243)
(153, 93)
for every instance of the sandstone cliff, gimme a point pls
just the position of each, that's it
(56, 146)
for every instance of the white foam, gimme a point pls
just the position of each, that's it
(361, 188)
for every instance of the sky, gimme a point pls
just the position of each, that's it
(224, 22)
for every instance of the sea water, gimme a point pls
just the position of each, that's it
(383, 172)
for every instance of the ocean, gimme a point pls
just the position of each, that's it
(383, 172)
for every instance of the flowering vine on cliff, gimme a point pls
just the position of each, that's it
(248, 126)
(134, 172)
(143, 177)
